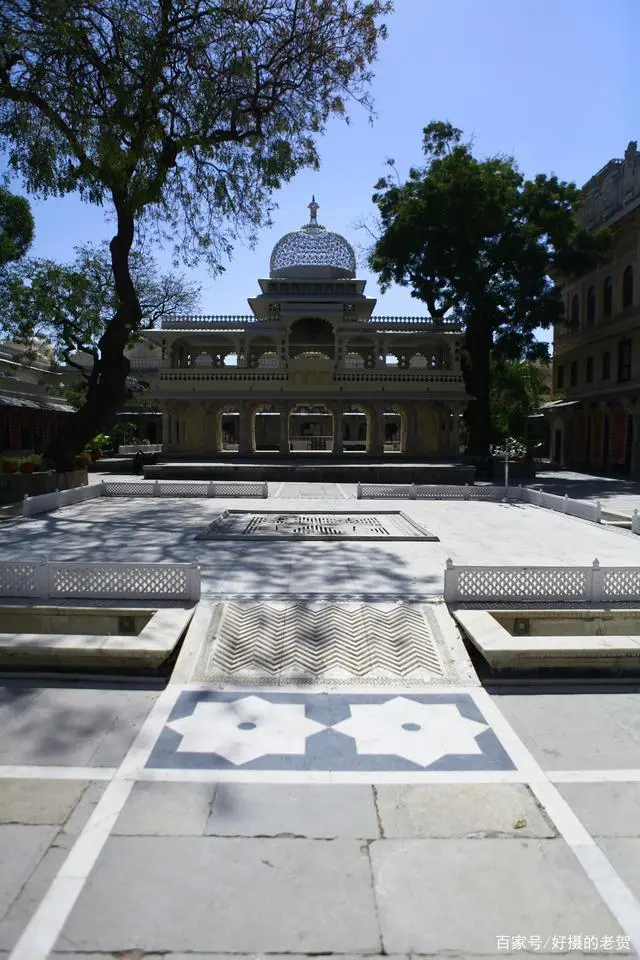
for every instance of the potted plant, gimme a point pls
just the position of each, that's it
(82, 460)
(99, 443)
(9, 465)
(30, 464)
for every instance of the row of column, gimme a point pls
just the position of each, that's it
(195, 427)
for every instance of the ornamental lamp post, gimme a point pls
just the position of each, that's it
(511, 449)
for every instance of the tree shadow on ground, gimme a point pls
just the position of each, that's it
(64, 722)
(590, 488)
(165, 531)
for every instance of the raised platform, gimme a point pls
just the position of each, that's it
(314, 470)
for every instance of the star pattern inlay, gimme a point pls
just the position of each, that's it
(245, 729)
(419, 732)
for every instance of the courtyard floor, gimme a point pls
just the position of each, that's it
(199, 820)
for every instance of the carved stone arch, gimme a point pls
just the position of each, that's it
(312, 335)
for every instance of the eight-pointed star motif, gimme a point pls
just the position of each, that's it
(242, 730)
(420, 732)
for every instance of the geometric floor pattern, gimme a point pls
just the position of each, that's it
(336, 731)
(314, 525)
(349, 642)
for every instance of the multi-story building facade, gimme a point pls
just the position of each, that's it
(309, 370)
(594, 416)
(30, 411)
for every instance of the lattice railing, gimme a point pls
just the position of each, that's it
(143, 488)
(100, 581)
(60, 498)
(185, 488)
(131, 448)
(432, 491)
(574, 508)
(594, 584)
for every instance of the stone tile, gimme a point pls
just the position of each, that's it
(311, 810)
(226, 895)
(624, 854)
(39, 801)
(83, 810)
(605, 809)
(577, 730)
(518, 534)
(39, 880)
(457, 896)
(21, 848)
(65, 724)
(165, 809)
(460, 810)
(30, 894)
(65, 955)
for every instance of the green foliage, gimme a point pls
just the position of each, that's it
(517, 390)
(122, 433)
(16, 227)
(181, 118)
(82, 460)
(100, 442)
(70, 306)
(478, 243)
(74, 391)
(186, 114)
(14, 464)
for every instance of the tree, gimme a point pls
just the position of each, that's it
(478, 243)
(517, 390)
(70, 306)
(16, 227)
(180, 116)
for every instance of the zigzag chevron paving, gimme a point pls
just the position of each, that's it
(335, 642)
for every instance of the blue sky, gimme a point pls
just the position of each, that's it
(555, 83)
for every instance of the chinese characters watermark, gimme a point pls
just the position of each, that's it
(563, 944)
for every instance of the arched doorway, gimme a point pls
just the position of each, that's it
(266, 428)
(355, 428)
(311, 335)
(228, 440)
(395, 430)
(310, 428)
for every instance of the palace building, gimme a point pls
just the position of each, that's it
(594, 416)
(310, 370)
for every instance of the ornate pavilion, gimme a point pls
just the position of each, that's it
(310, 370)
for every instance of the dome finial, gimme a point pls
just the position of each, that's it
(313, 215)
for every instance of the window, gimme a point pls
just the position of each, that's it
(573, 373)
(591, 305)
(624, 360)
(607, 297)
(575, 310)
(627, 287)
(589, 370)
(560, 376)
(606, 365)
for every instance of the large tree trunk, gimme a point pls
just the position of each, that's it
(107, 389)
(476, 369)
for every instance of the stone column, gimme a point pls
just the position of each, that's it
(376, 440)
(412, 444)
(337, 410)
(245, 430)
(209, 428)
(166, 438)
(285, 410)
(455, 429)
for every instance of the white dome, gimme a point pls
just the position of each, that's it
(314, 252)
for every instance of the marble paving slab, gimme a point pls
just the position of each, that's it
(251, 730)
